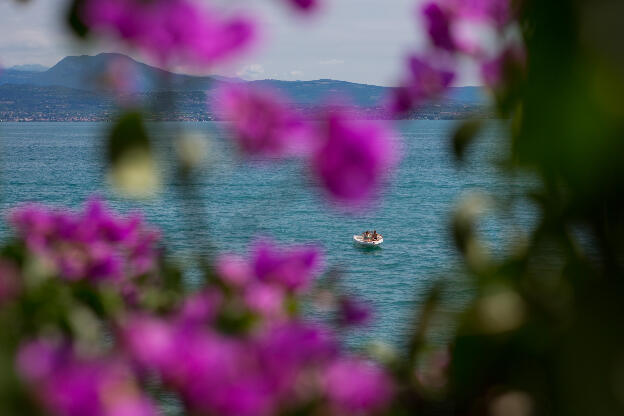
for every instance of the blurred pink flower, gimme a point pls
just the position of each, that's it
(70, 386)
(293, 268)
(201, 307)
(262, 121)
(438, 20)
(293, 354)
(172, 31)
(498, 12)
(213, 373)
(234, 270)
(265, 299)
(151, 342)
(95, 244)
(304, 5)
(353, 157)
(354, 312)
(426, 79)
(470, 27)
(357, 387)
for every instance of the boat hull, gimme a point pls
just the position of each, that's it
(359, 240)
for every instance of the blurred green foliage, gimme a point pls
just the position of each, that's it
(545, 334)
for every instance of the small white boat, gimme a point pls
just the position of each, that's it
(359, 239)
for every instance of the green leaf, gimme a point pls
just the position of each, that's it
(464, 136)
(128, 134)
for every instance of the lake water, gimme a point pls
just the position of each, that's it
(233, 201)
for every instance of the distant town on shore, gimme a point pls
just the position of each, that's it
(75, 89)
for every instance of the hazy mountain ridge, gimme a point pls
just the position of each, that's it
(77, 83)
(29, 68)
(88, 72)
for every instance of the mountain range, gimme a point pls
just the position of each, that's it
(75, 78)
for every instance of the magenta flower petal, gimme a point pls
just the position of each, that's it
(354, 159)
(438, 22)
(150, 342)
(71, 386)
(357, 387)
(172, 31)
(426, 79)
(201, 308)
(497, 11)
(94, 245)
(234, 270)
(292, 269)
(305, 6)
(354, 311)
(266, 300)
(261, 121)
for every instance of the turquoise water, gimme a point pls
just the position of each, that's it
(233, 201)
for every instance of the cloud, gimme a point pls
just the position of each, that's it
(296, 74)
(252, 72)
(332, 62)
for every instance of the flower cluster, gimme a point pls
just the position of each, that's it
(236, 347)
(94, 245)
(280, 364)
(480, 30)
(353, 157)
(349, 158)
(263, 285)
(172, 31)
(262, 120)
(71, 385)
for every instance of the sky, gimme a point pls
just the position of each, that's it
(364, 41)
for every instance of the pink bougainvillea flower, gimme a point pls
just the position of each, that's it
(470, 27)
(438, 20)
(357, 387)
(292, 355)
(354, 312)
(265, 299)
(151, 342)
(498, 12)
(95, 244)
(261, 121)
(293, 269)
(201, 308)
(67, 385)
(234, 270)
(171, 31)
(304, 5)
(353, 157)
(214, 374)
(425, 80)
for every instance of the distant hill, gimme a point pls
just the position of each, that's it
(74, 90)
(87, 73)
(52, 103)
(29, 68)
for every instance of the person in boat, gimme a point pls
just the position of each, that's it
(366, 235)
(375, 236)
